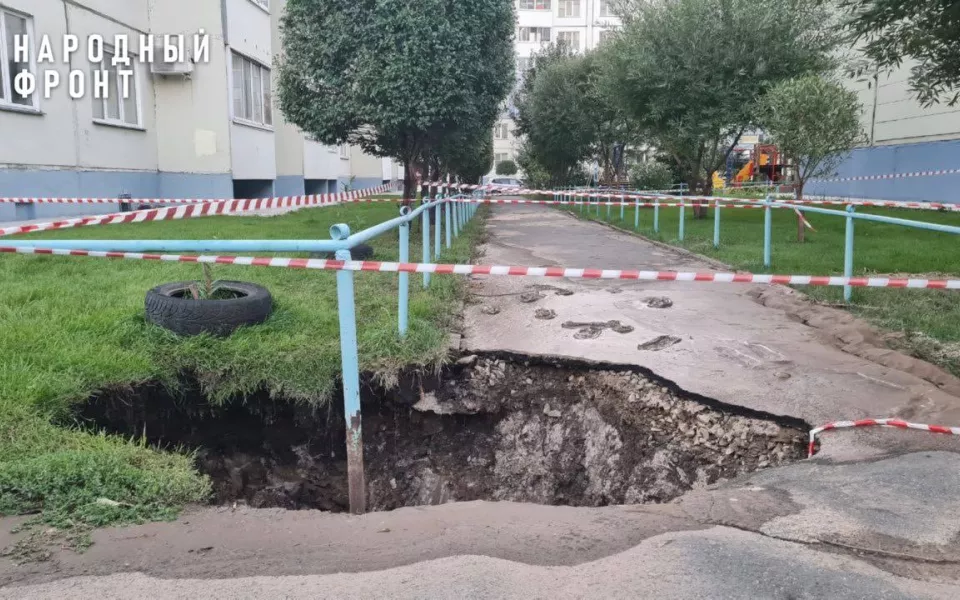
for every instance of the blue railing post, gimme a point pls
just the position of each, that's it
(683, 218)
(636, 214)
(609, 202)
(404, 294)
(716, 223)
(767, 231)
(438, 211)
(622, 207)
(656, 215)
(456, 217)
(447, 207)
(848, 253)
(426, 245)
(350, 370)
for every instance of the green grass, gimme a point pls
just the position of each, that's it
(72, 326)
(926, 323)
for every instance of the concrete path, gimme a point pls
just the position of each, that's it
(888, 529)
(714, 340)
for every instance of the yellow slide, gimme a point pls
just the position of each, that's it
(718, 182)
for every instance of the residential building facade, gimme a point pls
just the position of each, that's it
(901, 137)
(210, 129)
(581, 24)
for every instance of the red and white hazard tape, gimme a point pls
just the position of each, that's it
(206, 209)
(933, 173)
(628, 198)
(311, 200)
(560, 272)
(896, 423)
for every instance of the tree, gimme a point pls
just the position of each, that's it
(689, 73)
(506, 167)
(923, 31)
(650, 175)
(468, 154)
(815, 123)
(394, 77)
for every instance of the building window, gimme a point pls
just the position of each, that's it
(120, 105)
(264, 4)
(534, 34)
(569, 8)
(499, 157)
(535, 5)
(501, 131)
(569, 38)
(344, 151)
(605, 35)
(14, 28)
(252, 93)
(606, 10)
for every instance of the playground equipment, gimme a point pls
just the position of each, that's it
(763, 160)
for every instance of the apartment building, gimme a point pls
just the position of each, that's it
(901, 137)
(582, 24)
(197, 128)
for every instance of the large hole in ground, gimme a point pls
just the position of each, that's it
(488, 428)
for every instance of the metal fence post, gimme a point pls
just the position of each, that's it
(767, 231)
(683, 218)
(656, 215)
(350, 369)
(848, 253)
(456, 217)
(622, 208)
(404, 293)
(636, 214)
(716, 223)
(426, 245)
(448, 206)
(436, 230)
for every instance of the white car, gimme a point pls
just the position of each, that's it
(503, 185)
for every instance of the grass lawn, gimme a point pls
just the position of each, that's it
(72, 326)
(928, 320)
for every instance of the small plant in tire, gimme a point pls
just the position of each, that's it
(216, 307)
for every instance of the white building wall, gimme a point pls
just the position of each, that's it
(249, 33)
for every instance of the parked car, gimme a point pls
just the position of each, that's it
(504, 185)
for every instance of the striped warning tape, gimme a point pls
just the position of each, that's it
(910, 174)
(897, 423)
(628, 198)
(312, 199)
(560, 272)
(205, 209)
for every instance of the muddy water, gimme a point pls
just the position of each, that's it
(486, 428)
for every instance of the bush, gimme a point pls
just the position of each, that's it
(651, 175)
(506, 167)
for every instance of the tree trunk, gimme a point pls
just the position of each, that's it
(705, 188)
(409, 181)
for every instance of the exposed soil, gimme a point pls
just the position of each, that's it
(486, 428)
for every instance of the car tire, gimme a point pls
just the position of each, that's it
(167, 307)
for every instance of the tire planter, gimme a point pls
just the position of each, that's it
(170, 306)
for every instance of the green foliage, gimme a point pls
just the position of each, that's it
(467, 153)
(815, 122)
(651, 175)
(689, 73)
(925, 32)
(392, 76)
(506, 167)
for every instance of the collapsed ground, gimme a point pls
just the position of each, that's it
(926, 327)
(71, 328)
(490, 427)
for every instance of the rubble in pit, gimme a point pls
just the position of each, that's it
(597, 437)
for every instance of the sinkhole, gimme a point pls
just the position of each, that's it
(489, 427)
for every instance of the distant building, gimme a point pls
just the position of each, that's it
(582, 24)
(197, 129)
(902, 137)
